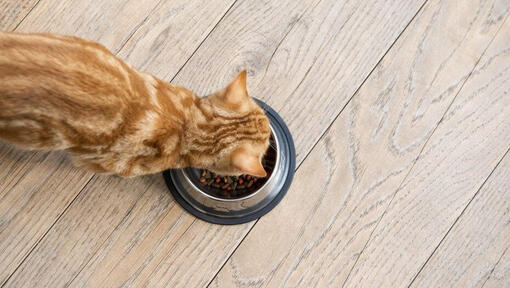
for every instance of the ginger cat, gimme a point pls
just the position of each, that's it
(66, 93)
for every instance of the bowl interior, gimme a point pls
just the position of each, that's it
(232, 187)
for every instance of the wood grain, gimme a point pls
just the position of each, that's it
(303, 61)
(298, 47)
(471, 139)
(109, 22)
(500, 275)
(162, 45)
(478, 241)
(27, 219)
(32, 196)
(84, 230)
(13, 12)
(33, 207)
(306, 59)
(190, 255)
(352, 173)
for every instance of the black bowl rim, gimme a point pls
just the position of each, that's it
(247, 218)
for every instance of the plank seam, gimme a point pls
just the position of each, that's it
(44, 235)
(494, 268)
(92, 176)
(37, 187)
(292, 25)
(202, 42)
(137, 27)
(172, 205)
(418, 157)
(108, 237)
(173, 248)
(457, 219)
(444, 237)
(319, 53)
(329, 126)
(122, 47)
(23, 175)
(24, 17)
(233, 252)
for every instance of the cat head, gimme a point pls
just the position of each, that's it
(239, 129)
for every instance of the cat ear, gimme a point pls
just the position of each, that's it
(248, 163)
(236, 93)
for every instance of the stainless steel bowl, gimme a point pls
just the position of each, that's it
(183, 184)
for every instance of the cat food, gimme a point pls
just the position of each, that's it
(236, 186)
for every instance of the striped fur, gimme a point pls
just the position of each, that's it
(65, 93)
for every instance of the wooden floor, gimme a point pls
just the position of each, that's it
(400, 111)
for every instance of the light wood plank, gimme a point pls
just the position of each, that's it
(162, 45)
(305, 65)
(13, 12)
(31, 199)
(295, 52)
(469, 142)
(477, 242)
(191, 259)
(500, 276)
(29, 216)
(352, 173)
(32, 207)
(109, 22)
(82, 230)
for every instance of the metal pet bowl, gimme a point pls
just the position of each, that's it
(196, 199)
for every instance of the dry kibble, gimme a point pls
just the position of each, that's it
(236, 186)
